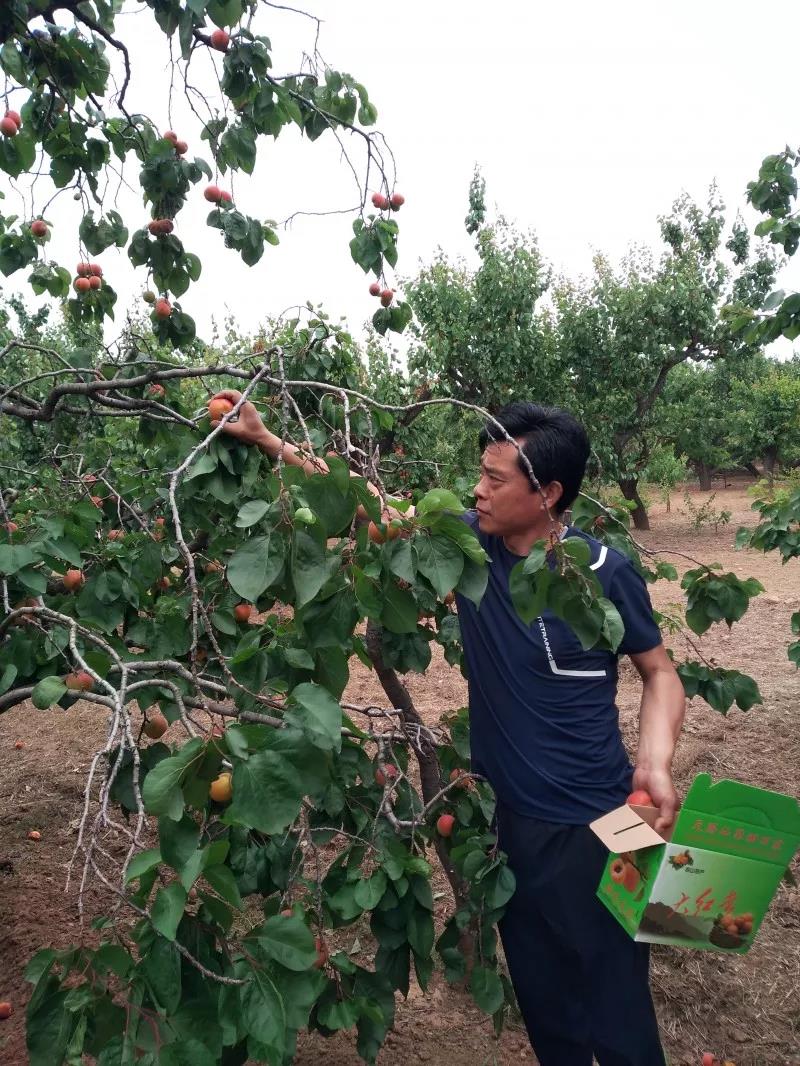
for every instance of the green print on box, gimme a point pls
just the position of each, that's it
(710, 884)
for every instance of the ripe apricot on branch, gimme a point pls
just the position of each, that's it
(79, 681)
(396, 201)
(116, 534)
(217, 407)
(95, 282)
(221, 789)
(322, 953)
(8, 127)
(444, 825)
(39, 228)
(387, 295)
(242, 612)
(213, 194)
(375, 289)
(163, 308)
(385, 773)
(82, 284)
(161, 227)
(377, 535)
(380, 201)
(73, 579)
(220, 39)
(155, 726)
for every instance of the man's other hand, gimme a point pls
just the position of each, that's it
(662, 791)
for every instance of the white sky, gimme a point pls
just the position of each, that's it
(587, 119)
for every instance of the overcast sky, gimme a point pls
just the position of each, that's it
(587, 120)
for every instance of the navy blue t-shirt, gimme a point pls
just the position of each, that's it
(544, 723)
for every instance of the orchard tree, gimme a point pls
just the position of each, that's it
(173, 577)
(694, 417)
(480, 333)
(623, 332)
(766, 418)
(606, 346)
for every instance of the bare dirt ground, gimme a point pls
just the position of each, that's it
(747, 1008)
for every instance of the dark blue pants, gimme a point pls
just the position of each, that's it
(581, 981)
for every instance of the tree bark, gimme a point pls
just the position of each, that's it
(427, 757)
(703, 474)
(630, 490)
(770, 458)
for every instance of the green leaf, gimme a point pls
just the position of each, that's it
(267, 793)
(400, 611)
(439, 500)
(487, 990)
(309, 569)
(48, 692)
(178, 840)
(8, 677)
(14, 557)
(473, 581)
(167, 909)
(187, 1052)
(142, 863)
(224, 884)
(251, 512)
(256, 565)
(161, 791)
(400, 559)
(369, 891)
(529, 594)
(317, 714)
(288, 941)
(161, 970)
(441, 561)
(263, 1014)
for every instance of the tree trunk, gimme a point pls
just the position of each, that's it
(426, 753)
(704, 475)
(770, 458)
(751, 468)
(630, 491)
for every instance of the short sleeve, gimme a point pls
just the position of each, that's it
(629, 595)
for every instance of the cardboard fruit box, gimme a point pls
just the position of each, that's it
(709, 883)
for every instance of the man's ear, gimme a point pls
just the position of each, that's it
(552, 492)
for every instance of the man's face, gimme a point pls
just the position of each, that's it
(504, 500)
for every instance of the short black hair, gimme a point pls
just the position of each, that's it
(555, 444)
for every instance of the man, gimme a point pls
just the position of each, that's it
(545, 733)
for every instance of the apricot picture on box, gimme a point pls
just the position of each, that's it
(731, 931)
(681, 860)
